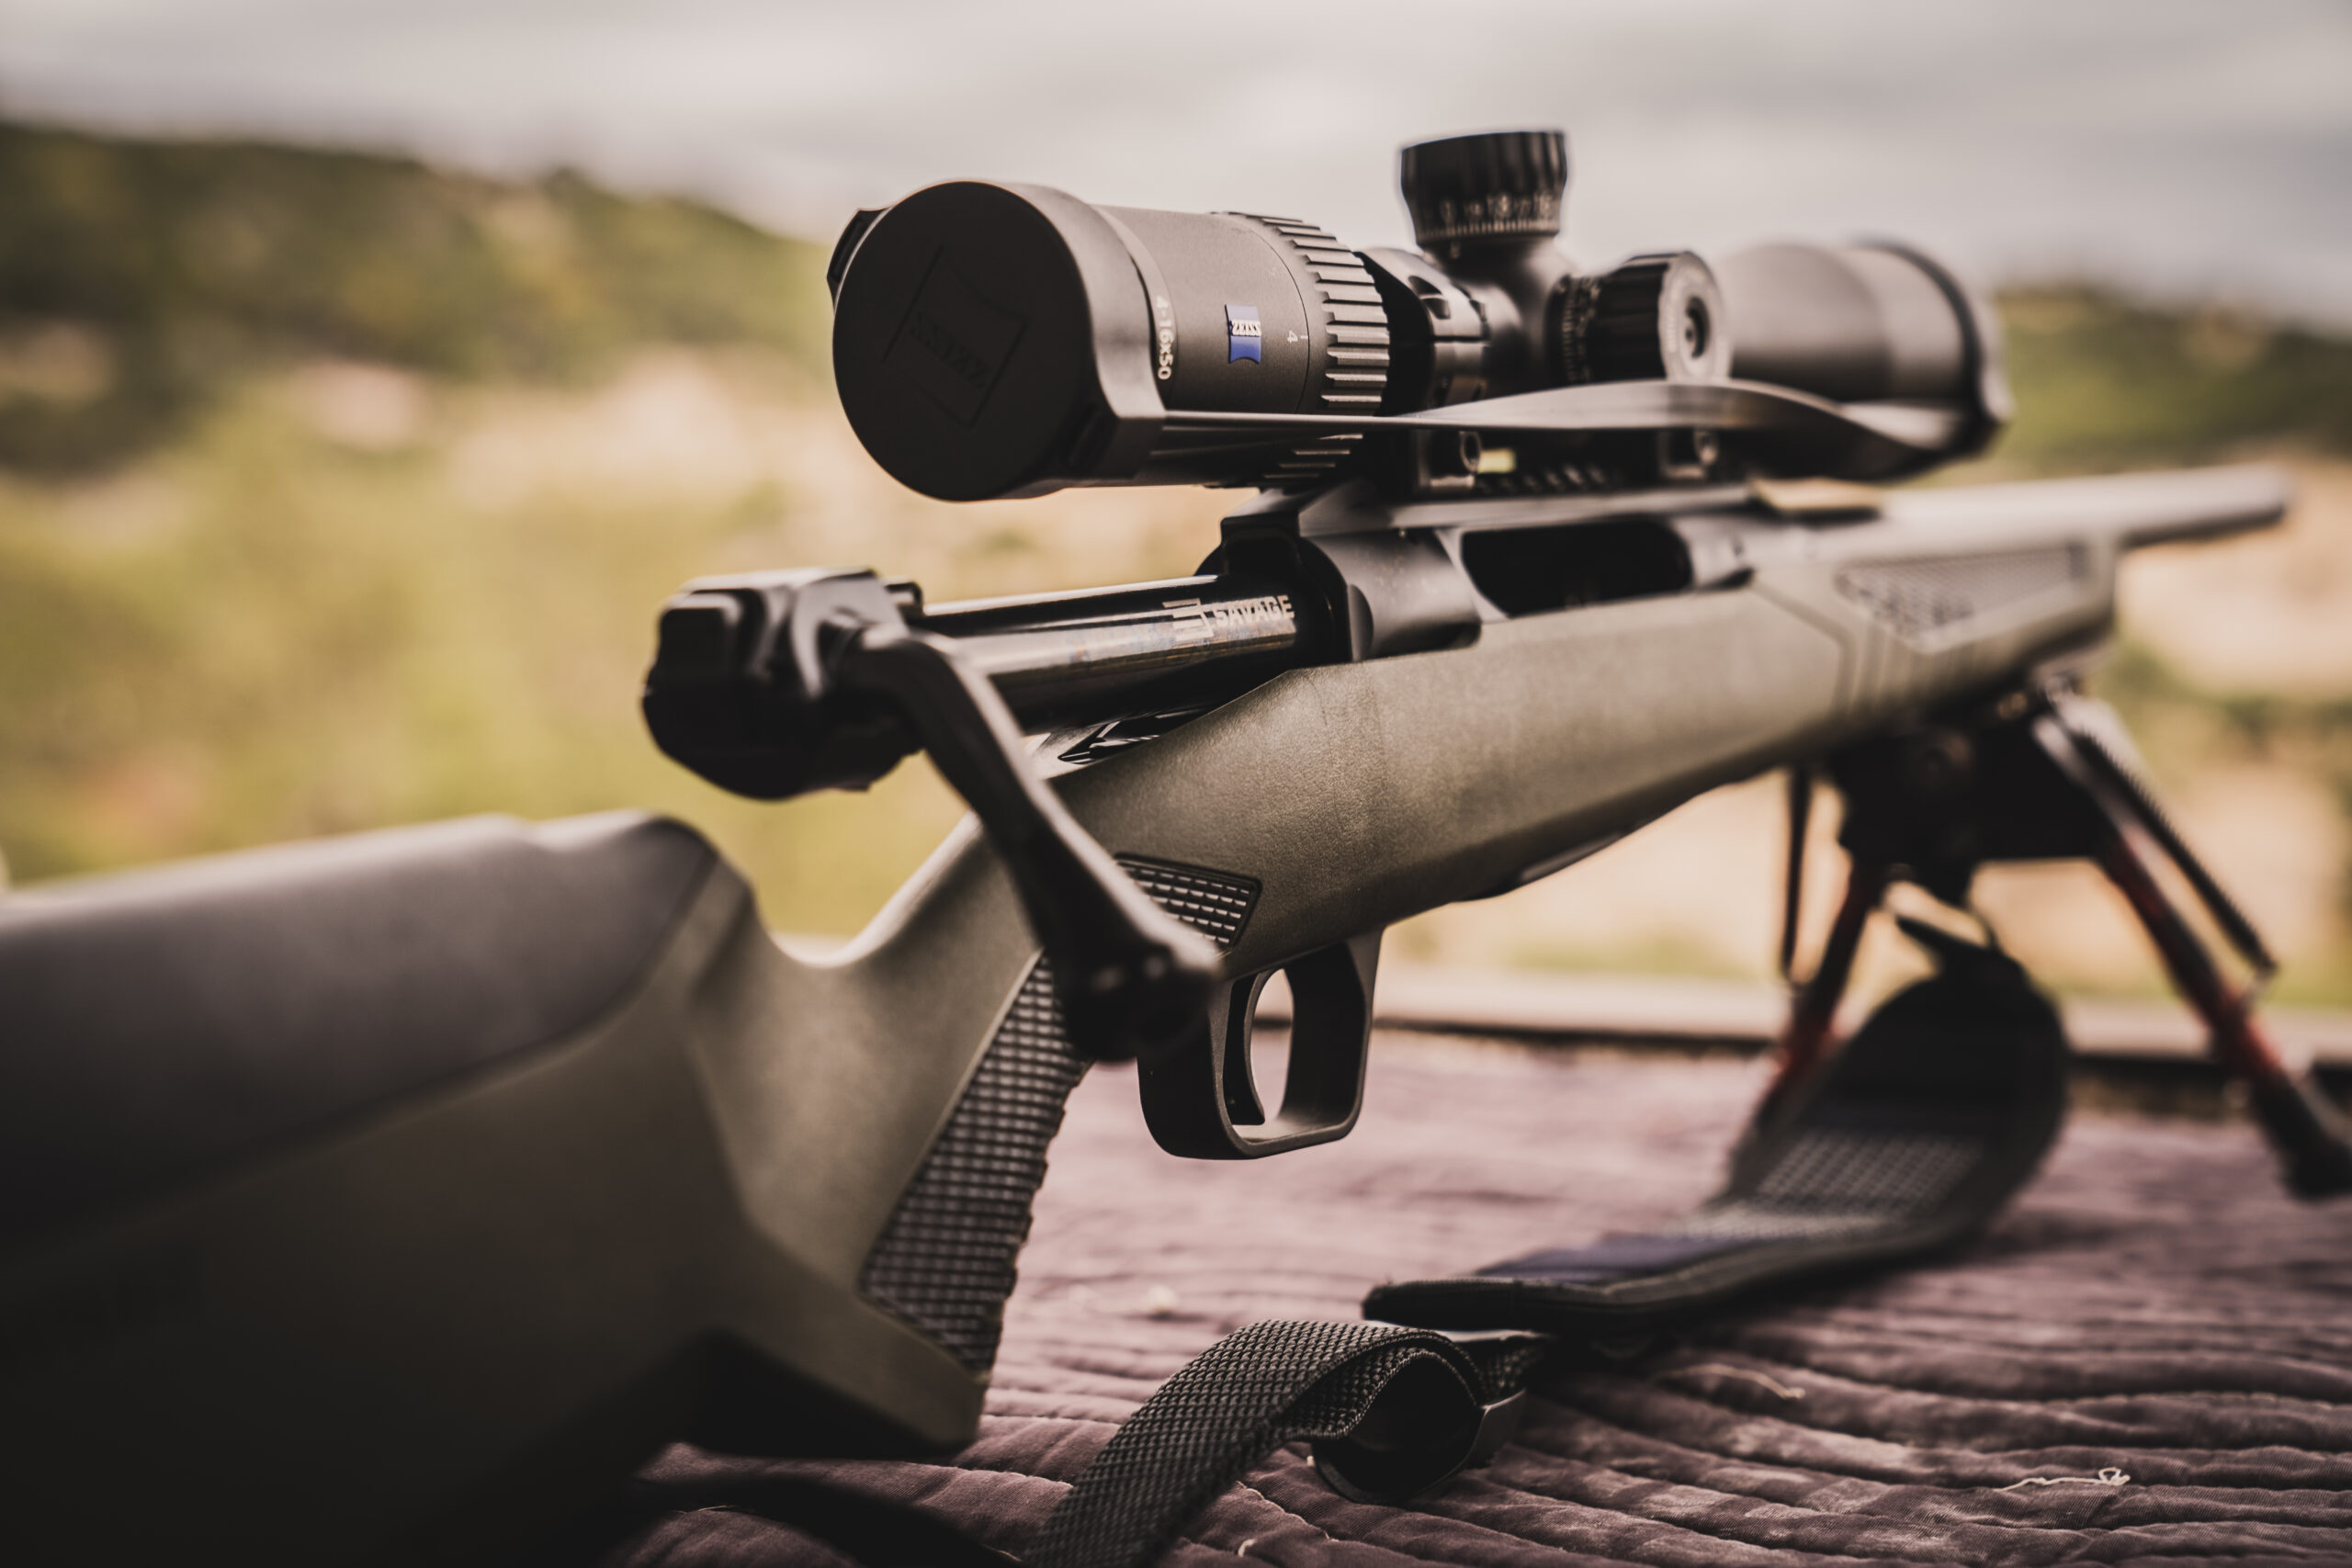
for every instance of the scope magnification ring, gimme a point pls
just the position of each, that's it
(1344, 309)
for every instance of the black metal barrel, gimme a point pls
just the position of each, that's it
(1092, 657)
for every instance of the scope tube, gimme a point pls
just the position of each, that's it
(1008, 340)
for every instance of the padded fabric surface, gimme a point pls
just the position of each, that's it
(2153, 1303)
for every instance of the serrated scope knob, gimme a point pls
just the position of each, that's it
(1499, 185)
(1650, 317)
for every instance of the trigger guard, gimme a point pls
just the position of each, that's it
(1199, 1097)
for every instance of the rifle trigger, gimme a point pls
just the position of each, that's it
(1200, 1098)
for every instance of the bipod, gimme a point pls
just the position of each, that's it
(2043, 774)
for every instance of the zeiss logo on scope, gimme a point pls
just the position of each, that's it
(1243, 334)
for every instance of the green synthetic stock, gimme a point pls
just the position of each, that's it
(429, 1326)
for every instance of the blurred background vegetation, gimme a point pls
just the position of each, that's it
(338, 492)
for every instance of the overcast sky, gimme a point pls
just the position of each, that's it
(2188, 147)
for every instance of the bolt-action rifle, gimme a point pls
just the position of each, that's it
(393, 1194)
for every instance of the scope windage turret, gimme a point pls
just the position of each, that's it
(994, 340)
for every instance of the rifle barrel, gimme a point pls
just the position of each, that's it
(1117, 651)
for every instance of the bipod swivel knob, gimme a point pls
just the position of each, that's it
(778, 684)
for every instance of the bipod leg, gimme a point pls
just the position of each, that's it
(1814, 1012)
(2303, 1127)
(1800, 797)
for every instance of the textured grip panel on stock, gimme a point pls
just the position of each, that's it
(946, 1260)
(1922, 599)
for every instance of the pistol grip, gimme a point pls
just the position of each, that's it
(1198, 1097)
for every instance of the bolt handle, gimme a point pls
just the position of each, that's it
(1128, 974)
(774, 684)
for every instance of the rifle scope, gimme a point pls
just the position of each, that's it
(994, 340)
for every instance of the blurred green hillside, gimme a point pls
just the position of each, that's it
(339, 491)
(2104, 383)
(143, 280)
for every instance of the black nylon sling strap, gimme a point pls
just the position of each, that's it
(1391, 1411)
(1915, 1133)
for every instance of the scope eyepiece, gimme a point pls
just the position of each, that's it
(1004, 340)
